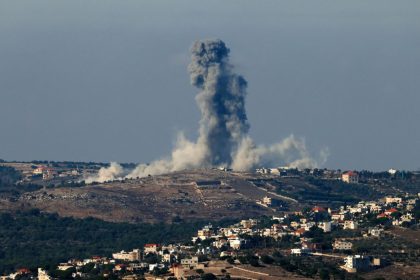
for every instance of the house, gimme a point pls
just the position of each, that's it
(390, 199)
(342, 245)
(266, 201)
(248, 223)
(309, 246)
(156, 265)
(325, 226)
(391, 211)
(377, 232)
(350, 177)
(127, 256)
(205, 233)
(64, 266)
(151, 248)
(189, 263)
(338, 216)
(49, 173)
(42, 275)
(298, 251)
(236, 243)
(349, 224)
(220, 243)
(46, 172)
(356, 263)
(39, 170)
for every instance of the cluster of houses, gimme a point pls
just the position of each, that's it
(179, 260)
(351, 177)
(286, 171)
(48, 173)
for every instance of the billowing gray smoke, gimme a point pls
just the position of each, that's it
(221, 100)
(223, 134)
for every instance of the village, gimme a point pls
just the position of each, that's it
(241, 250)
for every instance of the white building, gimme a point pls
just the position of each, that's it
(325, 226)
(150, 248)
(390, 199)
(189, 262)
(377, 232)
(42, 275)
(128, 256)
(267, 201)
(349, 224)
(342, 245)
(64, 266)
(356, 263)
(236, 243)
(350, 177)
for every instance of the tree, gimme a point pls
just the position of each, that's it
(267, 259)
(324, 274)
(208, 276)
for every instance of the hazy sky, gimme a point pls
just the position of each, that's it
(107, 80)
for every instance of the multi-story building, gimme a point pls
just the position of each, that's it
(42, 275)
(356, 263)
(349, 224)
(190, 263)
(150, 248)
(325, 226)
(342, 245)
(128, 256)
(350, 177)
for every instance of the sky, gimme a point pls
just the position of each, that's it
(107, 81)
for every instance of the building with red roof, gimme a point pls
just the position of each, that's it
(318, 209)
(390, 211)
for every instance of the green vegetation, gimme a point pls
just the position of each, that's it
(8, 176)
(31, 239)
(314, 267)
(338, 190)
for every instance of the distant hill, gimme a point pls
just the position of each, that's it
(193, 195)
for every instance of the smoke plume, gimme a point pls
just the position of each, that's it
(223, 129)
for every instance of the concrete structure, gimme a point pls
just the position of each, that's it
(390, 199)
(236, 243)
(205, 232)
(248, 223)
(42, 275)
(267, 201)
(342, 245)
(356, 263)
(128, 256)
(150, 248)
(349, 224)
(189, 263)
(64, 266)
(350, 177)
(325, 226)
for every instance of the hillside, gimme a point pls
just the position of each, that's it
(190, 195)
